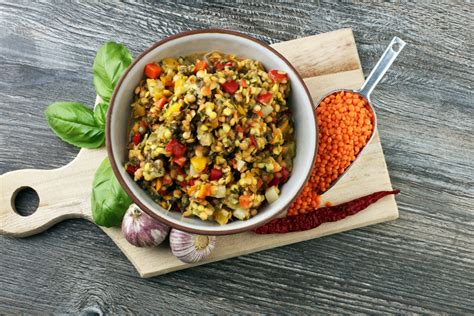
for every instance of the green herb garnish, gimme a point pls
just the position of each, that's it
(109, 201)
(79, 125)
(110, 62)
(75, 124)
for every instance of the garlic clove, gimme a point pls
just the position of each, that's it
(191, 248)
(142, 230)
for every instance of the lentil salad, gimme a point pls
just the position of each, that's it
(212, 135)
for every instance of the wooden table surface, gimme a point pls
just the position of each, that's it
(421, 263)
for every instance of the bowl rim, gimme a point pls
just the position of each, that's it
(136, 199)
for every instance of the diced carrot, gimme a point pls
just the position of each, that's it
(244, 201)
(200, 65)
(161, 103)
(152, 70)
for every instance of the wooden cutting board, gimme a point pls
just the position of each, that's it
(326, 62)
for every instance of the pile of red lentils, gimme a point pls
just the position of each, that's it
(345, 124)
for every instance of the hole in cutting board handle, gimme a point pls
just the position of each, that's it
(25, 201)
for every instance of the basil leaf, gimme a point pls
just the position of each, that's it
(109, 64)
(109, 201)
(75, 124)
(100, 113)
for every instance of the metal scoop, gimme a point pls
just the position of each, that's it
(388, 57)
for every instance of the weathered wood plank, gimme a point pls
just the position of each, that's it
(421, 263)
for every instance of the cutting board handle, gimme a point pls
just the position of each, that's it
(60, 193)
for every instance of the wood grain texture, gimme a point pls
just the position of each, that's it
(65, 192)
(421, 263)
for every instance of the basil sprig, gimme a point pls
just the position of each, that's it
(109, 201)
(100, 113)
(77, 124)
(83, 127)
(110, 62)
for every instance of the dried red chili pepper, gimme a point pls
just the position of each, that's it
(131, 169)
(322, 215)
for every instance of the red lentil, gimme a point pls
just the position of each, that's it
(345, 124)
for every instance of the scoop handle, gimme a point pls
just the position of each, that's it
(388, 57)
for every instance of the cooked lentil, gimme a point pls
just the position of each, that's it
(212, 135)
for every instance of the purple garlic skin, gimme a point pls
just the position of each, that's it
(142, 230)
(191, 248)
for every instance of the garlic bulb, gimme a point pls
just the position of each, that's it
(142, 230)
(191, 248)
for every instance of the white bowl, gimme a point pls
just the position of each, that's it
(182, 44)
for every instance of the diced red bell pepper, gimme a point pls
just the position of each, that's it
(243, 83)
(230, 86)
(181, 171)
(152, 70)
(285, 174)
(191, 182)
(229, 64)
(218, 66)
(161, 103)
(200, 65)
(131, 169)
(176, 148)
(180, 161)
(277, 76)
(253, 141)
(239, 129)
(137, 138)
(275, 181)
(259, 183)
(265, 98)
(215, 174)
(167, 180)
